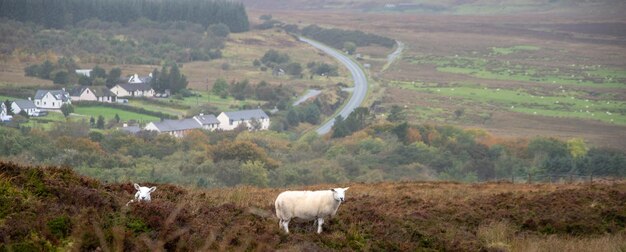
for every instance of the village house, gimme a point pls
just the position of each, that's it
(52, 99)
(4, 114)
(208, 122)
(27, 106)
(133, 90)
(176, 128)
(136, 79)
(180, 128)
(84, 72)
(100, 94)
(254, 119)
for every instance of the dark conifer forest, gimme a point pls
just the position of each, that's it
(62, 13)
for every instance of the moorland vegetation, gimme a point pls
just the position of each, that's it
(53, 208)
(373, 152)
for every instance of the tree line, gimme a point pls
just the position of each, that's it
(279, 61)
(64, 72)
(339, 38)
(379, 151)
(142, 41)
(63, 13)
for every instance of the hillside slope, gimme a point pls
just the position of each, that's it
(46, 208)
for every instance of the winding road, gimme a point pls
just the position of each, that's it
(358, 76)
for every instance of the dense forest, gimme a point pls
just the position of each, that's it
(63, 13)
(338, 38)
(142, 41)
(380, 151)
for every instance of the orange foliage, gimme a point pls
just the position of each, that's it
(413, 135)
(196, 140)
(82, 144)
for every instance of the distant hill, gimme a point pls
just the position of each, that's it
(437, 6)
(51, 208)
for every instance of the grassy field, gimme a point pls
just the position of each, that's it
(559, 104)
(109, 113)
(403, 216)
(526, 56)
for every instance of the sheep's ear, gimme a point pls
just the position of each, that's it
(332, 190)
(345, 189)
(152, 189)
(137, 186)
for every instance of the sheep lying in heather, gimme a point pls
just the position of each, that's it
(142, 194)
(308, 205)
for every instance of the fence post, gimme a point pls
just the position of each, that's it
(512, 179)
(590, 178)
(529, 179)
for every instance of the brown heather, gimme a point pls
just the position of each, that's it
(51, 208)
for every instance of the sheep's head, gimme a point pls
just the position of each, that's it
(339, 194)
(143, 193)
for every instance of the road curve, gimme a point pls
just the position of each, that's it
(358, 76)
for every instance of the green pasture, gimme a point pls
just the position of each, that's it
(109, 113)
(514, 49)
(563, 104)
(490, 67)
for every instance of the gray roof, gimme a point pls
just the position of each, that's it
(133, 129)
(174, 125)
(58, 94)
(98, 91)
(207, 119)
(246, 114)
(25, 104)
(135, 86)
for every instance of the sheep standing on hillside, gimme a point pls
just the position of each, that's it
(308, 205)
(142, 194)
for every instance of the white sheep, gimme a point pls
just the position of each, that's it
(142, 194)
(308, 205)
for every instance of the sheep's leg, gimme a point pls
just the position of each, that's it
(320, 221)
(286, 225)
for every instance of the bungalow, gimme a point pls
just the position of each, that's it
(255, 119)
(4, 115)
(176, 128)
(179, 128)
(136, 79)
(52, 99)
(132, 90)
(207, 122)
(28, 106)
(84, 72)
(101, 94)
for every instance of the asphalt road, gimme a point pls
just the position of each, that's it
(358, 76)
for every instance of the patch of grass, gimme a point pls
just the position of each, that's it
(489, 67)
(109, 113)
(514, 49)
(557, 105)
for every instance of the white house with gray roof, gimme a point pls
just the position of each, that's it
(208, 122)
(101, 94)
(136, 79)
(133, 90)
(254, 119)
(177, 128)
(180, 128)
(52, 99)
(4, 115)
(28, 106)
